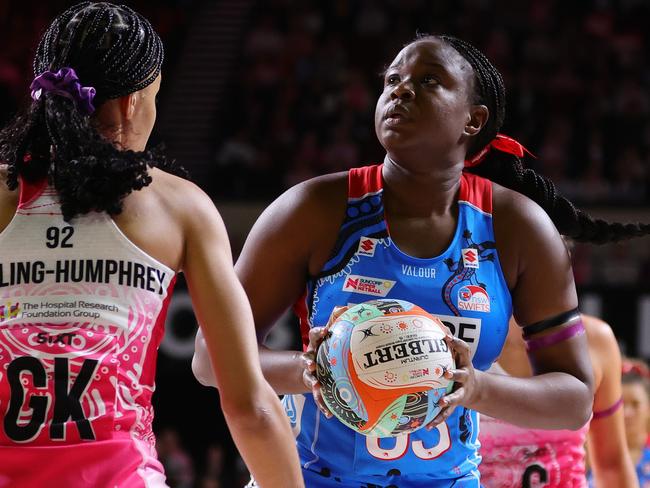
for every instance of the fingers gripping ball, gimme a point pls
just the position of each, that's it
(381, 367)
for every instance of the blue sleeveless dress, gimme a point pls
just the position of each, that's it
(464, 286)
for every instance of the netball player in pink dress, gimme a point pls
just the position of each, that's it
(93, 231)
(516, 457)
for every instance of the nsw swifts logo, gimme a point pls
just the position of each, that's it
(368, 286)
(367, 246)
(470, 258)
(474, 299)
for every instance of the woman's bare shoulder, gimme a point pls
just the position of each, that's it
(513, 207)
(323, 195)
(599, 334)
(173, 195)
(305, 219)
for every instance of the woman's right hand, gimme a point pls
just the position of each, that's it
(316, 336)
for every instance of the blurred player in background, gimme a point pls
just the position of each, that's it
(636, 409)
(516, 457)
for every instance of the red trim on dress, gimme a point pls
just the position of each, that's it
(362, 181)
(477, 191)
(157, 333)
(473, 189)
(30, 191)
(300, 309)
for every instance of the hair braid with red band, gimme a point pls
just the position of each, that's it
(507, 169)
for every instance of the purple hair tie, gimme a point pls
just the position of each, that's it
(65, 83)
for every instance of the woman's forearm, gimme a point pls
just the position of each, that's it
(283, 370)
(260, 430)
(621, 476)
(547, 401)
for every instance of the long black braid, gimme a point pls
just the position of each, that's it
(509, 171)
(115, 50)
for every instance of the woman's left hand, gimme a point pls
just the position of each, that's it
(466, 380)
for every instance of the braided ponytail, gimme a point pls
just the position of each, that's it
(509, 171)
(116, 51)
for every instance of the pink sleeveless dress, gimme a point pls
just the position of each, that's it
(535, 458)
(82, 311)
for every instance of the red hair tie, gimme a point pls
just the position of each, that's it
(635, 368)
(501, 143)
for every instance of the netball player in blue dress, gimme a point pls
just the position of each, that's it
(444, 223)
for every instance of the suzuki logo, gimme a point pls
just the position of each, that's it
(367, 245)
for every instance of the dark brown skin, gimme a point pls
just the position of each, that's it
(610, 461)
(425, 120)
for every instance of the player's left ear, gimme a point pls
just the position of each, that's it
(128, 105)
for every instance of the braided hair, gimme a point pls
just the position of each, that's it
(509, 171)
(115, 50)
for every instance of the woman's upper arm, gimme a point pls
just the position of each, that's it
(291, 240)
(218, 299)
(607, 443)
(606, 358)
(542, 284)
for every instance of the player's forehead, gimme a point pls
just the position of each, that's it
(634, 389)
(434, 52)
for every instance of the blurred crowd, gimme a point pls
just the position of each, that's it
(183, 472)
(302, 98)
(23, 22)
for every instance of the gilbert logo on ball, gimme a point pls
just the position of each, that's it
(381, 367)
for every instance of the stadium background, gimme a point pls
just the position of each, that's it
(259, 95)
